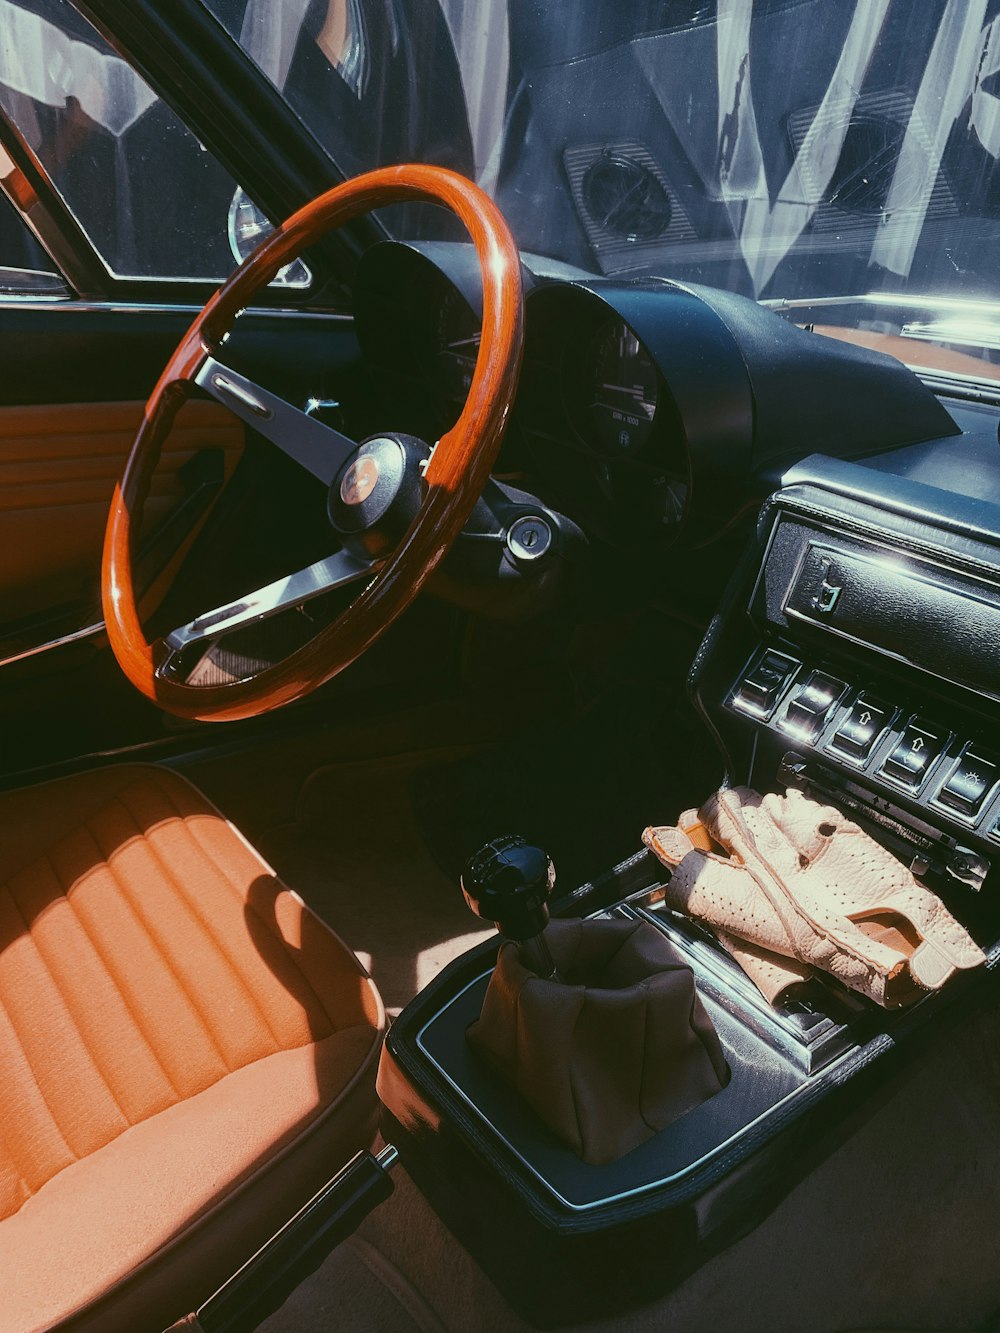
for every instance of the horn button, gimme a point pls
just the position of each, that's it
(376, 495)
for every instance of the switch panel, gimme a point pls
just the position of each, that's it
(875, 739)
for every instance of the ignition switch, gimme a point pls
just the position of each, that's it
(529, 538)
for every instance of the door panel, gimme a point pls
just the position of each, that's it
(58, 469)
(75, 379)
(71, 352)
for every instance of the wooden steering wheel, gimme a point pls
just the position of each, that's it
(455, 475)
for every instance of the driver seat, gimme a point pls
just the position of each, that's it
(187, 1053)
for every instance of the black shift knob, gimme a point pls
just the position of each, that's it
(510, 883)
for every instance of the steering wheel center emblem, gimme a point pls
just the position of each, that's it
(359, 480)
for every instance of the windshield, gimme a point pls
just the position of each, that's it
(786, 149)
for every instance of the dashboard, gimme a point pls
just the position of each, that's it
(857, 656)
(854, 652)
(853, 656)
(599, 428)
(653, 414)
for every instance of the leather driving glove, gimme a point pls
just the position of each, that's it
(789, 884)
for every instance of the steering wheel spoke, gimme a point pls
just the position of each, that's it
(335, 571)
(320, 449)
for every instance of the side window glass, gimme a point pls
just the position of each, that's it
(152, 201)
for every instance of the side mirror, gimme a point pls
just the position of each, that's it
(248, 226)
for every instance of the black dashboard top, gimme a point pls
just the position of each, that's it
(651, 413)
(969, 467)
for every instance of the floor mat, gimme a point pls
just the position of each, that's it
(356, 1290)
(356, 854)
(895, 1230)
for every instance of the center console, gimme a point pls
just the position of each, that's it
(857, 657)
(874, 676)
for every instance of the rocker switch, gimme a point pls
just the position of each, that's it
(810, 706)
(860, 729)
(913, 754)
(967, 788)
(761, 687)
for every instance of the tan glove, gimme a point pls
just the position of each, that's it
(799, 880)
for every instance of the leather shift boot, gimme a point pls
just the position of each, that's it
(613, 1053)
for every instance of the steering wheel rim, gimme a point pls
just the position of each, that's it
(455, 475)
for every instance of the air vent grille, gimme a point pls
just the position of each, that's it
(624, 202)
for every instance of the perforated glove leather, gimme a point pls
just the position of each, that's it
(789, 884)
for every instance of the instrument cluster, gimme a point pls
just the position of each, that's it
(598, 425)
(418, 322)
(594, 431)
(650, 412)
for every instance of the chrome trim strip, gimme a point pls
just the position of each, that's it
(229, 389)
(87, 632)
(36, 298)
(320, 449)
(34, 301)
(323, 576)
(951, 384)
(388, 1157)
(906, 300)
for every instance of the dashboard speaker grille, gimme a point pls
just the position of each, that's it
(857, 193)
(624, 201)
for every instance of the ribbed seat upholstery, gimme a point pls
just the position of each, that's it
(186, 1052)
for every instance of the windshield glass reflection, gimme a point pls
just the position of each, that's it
(780, 148)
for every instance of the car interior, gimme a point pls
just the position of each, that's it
(499, 668)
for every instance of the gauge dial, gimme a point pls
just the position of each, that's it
(623, 391)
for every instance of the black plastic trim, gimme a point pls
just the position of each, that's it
(297, 1250)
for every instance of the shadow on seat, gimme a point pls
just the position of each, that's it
(188, 1053)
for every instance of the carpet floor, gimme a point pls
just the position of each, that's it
(897, 1230)
(356, 854)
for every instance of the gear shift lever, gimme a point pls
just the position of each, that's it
(509, 883)
(609, 1049)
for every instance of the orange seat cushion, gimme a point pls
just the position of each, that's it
(186, 1052)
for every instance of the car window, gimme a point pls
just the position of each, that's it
(377, 82)
(152, 201)
(792, 150)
